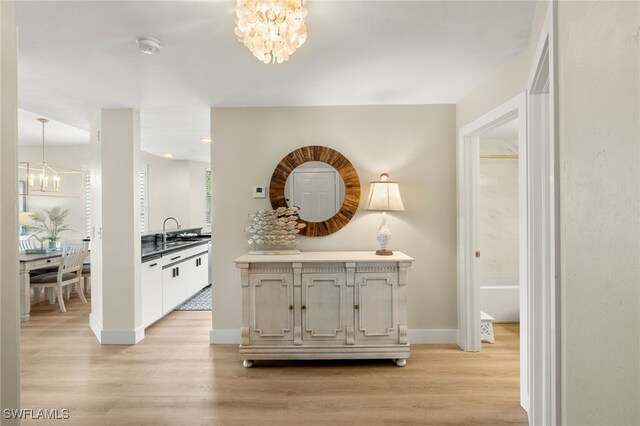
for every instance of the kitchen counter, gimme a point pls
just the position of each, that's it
(154, 251)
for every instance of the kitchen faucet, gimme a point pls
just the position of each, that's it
(164, 232)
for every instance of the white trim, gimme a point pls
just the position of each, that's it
(416, 337)
(433, 336)
(544, 297)
(115, 337)
(467, 178)
(224, 337)
(468, 272)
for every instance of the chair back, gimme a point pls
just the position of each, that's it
(27, 243)
(73, 255)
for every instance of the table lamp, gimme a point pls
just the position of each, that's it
(384, 196)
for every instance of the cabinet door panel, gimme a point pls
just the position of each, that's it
(377, 305)
(174, 288)
(271, 296)
(151, 291)
(197, 273)
(323, 299)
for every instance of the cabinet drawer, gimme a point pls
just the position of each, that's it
(196, 250)
(173, 257)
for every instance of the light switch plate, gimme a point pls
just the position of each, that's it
(259, 192)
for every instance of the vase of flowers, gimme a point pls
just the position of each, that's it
(48, 226)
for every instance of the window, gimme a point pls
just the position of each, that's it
(142, 182)
(86, 208)
(144, 217)
(207, 197)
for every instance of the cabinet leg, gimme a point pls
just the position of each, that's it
(401, 362)
(247, 363)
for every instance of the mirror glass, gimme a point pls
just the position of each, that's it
(317, 189)
(332, 200)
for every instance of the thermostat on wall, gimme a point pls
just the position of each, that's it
(259, 192)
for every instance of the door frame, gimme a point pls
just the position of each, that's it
(468, 183)
(543, 234)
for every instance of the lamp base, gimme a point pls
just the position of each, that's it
(384, 252)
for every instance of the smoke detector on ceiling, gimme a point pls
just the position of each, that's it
(149, 45)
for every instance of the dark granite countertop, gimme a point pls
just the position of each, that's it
(152, 251)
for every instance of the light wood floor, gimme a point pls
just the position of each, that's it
(174, 377)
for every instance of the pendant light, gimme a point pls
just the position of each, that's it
(46, 179)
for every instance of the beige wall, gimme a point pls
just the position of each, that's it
(599, 109)
(9, 293)
(72, 156)
(415, 144)
(508, 81)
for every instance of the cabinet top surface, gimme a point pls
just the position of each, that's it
(323, 256)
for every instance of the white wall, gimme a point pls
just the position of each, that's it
(599, 149)
(175, 188)
(415, 144)
(498, 230)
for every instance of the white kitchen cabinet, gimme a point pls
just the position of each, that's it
(196, 272)
(174, 286)
(324, 305)
(171, 279)
(151, 291)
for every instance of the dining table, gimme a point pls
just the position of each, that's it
(28, 263)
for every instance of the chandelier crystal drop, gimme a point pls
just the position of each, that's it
(271, 29)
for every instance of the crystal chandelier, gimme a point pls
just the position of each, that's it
(46, 179)
(271, 29)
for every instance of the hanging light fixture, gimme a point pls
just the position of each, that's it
(271, 29)
(47, 179)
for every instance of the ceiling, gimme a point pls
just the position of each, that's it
(77, 57)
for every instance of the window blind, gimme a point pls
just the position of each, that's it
(207, 197)
(143, 199)
(87, 203)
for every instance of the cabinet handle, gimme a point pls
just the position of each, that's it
(173, 272)
(304, 308)
(48, 260)
(356, 307)
(177, 272)
(177, 257)
(291, 307)
(153, 264)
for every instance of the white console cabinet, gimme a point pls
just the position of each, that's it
(324, 305)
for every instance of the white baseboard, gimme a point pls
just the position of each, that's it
(433, 336)
(416, 337)
(115, 337)
(224, 337)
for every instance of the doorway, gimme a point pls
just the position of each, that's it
(469, 252)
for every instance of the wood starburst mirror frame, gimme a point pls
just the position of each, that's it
(335, 160)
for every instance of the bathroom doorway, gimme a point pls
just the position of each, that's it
(498, 223)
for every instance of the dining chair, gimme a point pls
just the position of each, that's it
(28, 243)
(69, 272)
(86, 276)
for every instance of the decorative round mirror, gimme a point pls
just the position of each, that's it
(322, 183)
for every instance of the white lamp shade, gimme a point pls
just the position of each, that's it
(24, 218)
(384, 196)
